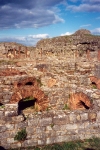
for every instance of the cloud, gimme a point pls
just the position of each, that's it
(29, 40)
(95, 31)
(98, 18)
(86, 25)
(28, 14)
(39, 36)
(84, 5)
(67, 33)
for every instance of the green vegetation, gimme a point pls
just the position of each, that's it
(81, 52)
(2, 106)
(94, 86)
(21, 135)
(66, 107)
(39, 81)
(52, 125)
(28, 98)
(89, 144)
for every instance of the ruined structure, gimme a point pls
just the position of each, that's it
(14, 50)
(80, 42)
(28, 87)
(60, 79)
(79, 100)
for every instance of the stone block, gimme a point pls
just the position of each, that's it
(19, 118)
(15, 145)
(10, 113)
(10, 126)
(50, 140)
(71, 126)
(3, 128)
(84, 116)
(45, 121)
(10, 140)
(64, 138)
(21, 125)
(93, 116)
(72, 117)
(30, 130)
(33, 123)
(59, 127)
(60, 120)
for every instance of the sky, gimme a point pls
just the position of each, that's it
(28, 21)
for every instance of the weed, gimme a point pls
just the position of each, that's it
(28, 98)
(39, 81)
(21, 135)
(52, 125)
(81, 52)
(66, 107)
(48, 108)
(94, 86)
(2, 106)
(69, 96)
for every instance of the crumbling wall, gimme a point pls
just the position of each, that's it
(48, 127)
(62, 66)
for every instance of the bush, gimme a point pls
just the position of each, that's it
(21, 135)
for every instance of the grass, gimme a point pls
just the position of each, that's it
(66, 107)
(39, 82)
(94, 86)
(28, 98)
(88, 144)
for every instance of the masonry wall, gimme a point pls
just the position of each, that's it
(48, 127)
(70, 68)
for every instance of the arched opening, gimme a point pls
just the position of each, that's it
(94, 85)
(79, 100)
(82, 104)
(29, 83)
(26, 104)
(1, 105)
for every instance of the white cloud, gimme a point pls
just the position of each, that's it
(38, 36)
(98, 18)
(67, 33)
(91, 1)
(26, 40)
(74, 1)
(95, 31)
(85, 7)
(86, 25)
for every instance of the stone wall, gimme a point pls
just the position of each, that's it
(14, 50)
(64, 44)
(48, 127)
(62, 66)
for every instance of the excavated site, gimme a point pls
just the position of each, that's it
(52, 90)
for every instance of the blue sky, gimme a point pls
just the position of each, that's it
(28, 21)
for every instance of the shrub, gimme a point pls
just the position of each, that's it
(21, 135)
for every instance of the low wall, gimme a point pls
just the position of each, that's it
(47, 127)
